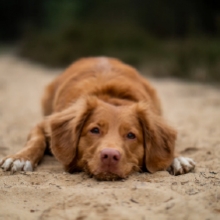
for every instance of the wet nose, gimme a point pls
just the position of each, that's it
(110, 156)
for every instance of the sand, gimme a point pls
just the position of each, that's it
(49, 193)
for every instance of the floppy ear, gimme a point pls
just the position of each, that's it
(159, 139)
(65, 130)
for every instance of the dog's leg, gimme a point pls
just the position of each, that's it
(181, 165)
(30, 155)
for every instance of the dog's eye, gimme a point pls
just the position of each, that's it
(131, 135)
(95, 130)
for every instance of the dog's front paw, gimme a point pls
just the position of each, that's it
(16, 163)
(181, 165)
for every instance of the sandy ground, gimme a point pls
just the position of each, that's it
(49, 193)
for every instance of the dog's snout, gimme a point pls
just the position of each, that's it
(110, 156)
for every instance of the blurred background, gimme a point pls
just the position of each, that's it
(162, 38)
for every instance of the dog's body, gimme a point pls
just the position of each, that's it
(102, 118)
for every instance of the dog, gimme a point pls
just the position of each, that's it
(104, 118)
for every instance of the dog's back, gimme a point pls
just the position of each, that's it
(106, 78)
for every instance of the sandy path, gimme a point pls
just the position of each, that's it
(48, 193)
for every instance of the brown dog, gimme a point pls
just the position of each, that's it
(102, 117)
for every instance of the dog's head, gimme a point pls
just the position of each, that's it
(111, 141)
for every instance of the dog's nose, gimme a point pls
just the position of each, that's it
(110, 156)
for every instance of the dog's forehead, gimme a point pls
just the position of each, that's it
(115, 113)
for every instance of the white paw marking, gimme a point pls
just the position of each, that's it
(7, 164)
(16, 165)
(182, 165)
(28, 166)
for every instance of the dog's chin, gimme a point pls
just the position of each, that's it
(103, 175)
(107, 176)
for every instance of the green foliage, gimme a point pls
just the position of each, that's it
(170, 38)
(194, 58)
(82, 40)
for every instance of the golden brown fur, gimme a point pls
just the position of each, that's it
(102, 108)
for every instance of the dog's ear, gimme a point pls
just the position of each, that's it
(159, 139)
(65, 130)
